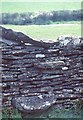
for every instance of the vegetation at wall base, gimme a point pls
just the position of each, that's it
(55, 113)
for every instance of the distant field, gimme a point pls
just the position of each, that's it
(12, 7)
(47, 32)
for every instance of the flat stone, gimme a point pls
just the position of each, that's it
(34, 103)
(64, 68)
(40, 55)
(53, 50)
(19, 53)
(7, 77)
(17, 47)
(51, 77)
(47, 65)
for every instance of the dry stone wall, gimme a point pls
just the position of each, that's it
(51, 75)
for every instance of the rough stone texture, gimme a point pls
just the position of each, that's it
(31, 71)
(34, 103)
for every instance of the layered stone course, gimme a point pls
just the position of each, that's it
(51, 75)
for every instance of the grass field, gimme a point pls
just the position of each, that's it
(47, 32)
(12, 7)
(65, 114)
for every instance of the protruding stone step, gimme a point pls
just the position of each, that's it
(34, 103)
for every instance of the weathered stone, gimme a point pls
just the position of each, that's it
(40, 55)
(32, 71)
(29, 56)
(8, 42)
(64, 68)
(51, 77)
(19, 53)
(28, 65)
(34, 103)
(23, 76)
(68, 41)
(17, 47)
(53, 50)
(7, 77)
(48, 65)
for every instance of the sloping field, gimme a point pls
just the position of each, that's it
(50, 32)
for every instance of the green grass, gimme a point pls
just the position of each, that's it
(0, 114)
(12, 7)
(52, 113)
(48, 32)
(11, 113)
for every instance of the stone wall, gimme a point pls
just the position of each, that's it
(53, 74)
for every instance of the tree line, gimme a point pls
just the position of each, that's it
(41, 18)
